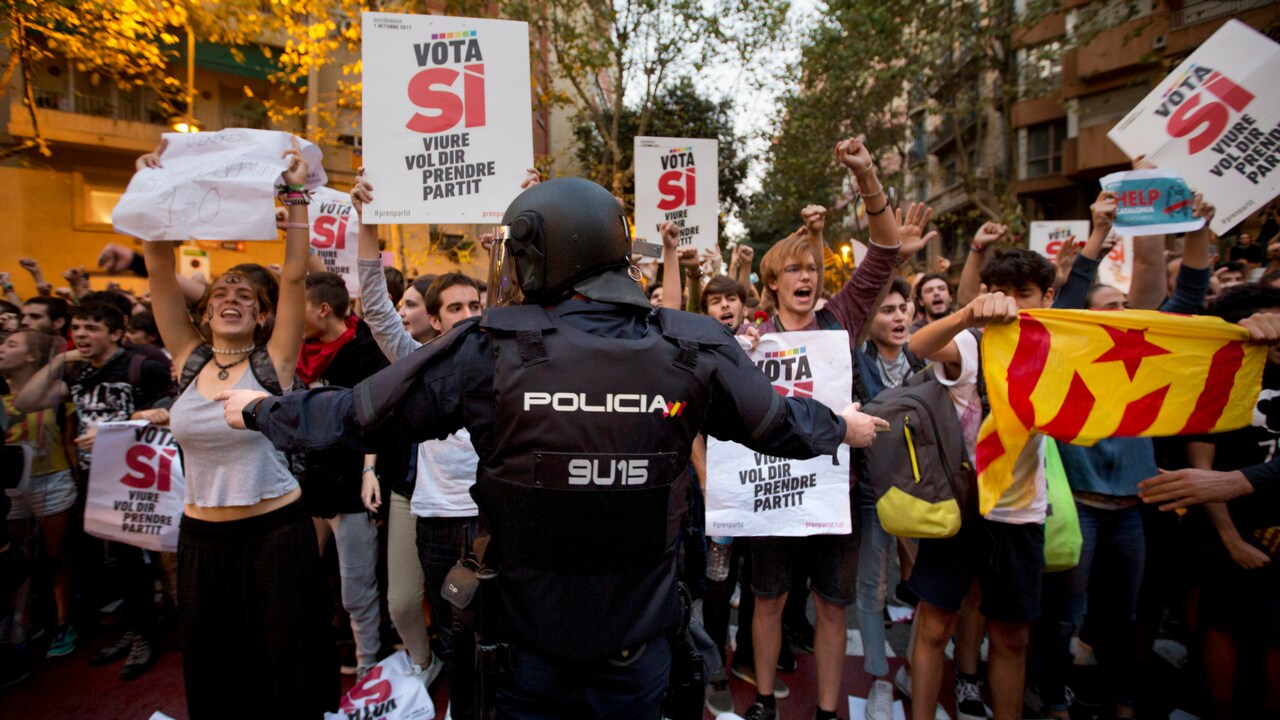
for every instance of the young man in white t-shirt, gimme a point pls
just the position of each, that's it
(1003, 551)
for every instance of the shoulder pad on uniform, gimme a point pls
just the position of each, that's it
(692, 327)
(377, 396)
(516, 319)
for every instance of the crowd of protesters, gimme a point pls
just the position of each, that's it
(1204, 580)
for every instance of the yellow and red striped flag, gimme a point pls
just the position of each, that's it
(1080, 376)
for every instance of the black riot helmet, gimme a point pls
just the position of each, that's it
(562, 236)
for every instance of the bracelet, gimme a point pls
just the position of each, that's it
(293, 194)
(877, 212)
(693, 272)
(369, 469)
(300, 226)
(975, 248)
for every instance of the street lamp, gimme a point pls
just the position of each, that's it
(188, 123)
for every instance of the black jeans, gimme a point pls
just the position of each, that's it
(441, 543)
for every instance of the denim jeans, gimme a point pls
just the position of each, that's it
(441, 543)
(1108, 577)
(542, 688)
(874, 549)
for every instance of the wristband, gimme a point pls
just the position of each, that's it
(299, 226)
(877, 212)
(369, 469)
(250, 413)
(975, 248)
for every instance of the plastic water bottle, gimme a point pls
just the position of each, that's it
(718, 557)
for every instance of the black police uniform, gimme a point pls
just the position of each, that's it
(582, 416)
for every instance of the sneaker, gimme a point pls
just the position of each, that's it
(801, 637)
(880, 701)
(902, 681)
(760, 712)
(719, 699)
(969, 700)
(748, 673)
(117, 651)
(64, 643)
(1031, 698)
(429, 673)
(139, 661)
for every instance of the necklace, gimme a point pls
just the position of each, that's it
(241, 351)
(222, 369)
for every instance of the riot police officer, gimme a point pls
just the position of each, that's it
(582, 403)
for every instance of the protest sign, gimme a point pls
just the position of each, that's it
(212, 186)
(448, 131)
(749, 493)
(1116, 269)
(335, 234)
(1151, 202)
(136, 486)
(1215, 120)
(678, 180)
(391, 690)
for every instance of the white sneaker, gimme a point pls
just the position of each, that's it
(429, 673)
(902, 681)
(880, 701)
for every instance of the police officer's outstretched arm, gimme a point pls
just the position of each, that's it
(745, 408)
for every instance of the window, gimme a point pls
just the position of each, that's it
(1039, 69)
(1042, 151)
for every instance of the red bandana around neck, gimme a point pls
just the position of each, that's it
(315, 357)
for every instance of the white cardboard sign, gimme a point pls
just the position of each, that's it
(678, 180)
(448, 130)
(136, 486)
(1116, 269)
(212, 186)
(749, 493)
(1215, 120)
(335, 234)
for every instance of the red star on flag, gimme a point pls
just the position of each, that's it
(1129, 347)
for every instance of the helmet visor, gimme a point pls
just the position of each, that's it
(504, 282)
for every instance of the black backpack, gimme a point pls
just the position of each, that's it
(924, 480)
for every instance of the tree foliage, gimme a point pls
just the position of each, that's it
(613, 59)
(918, 77)
(679, 111)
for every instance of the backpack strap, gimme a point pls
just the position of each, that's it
(264, 370)
(982, 379)
(827, 320)
(196, 361)
(135, 369)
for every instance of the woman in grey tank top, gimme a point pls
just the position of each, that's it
(250, 587)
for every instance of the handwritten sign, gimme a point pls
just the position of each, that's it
(678, 180)
(1151, 202)
(448, 128)
(1116, 269)
(136, 486)
(212, 186)
(1215, 120)
(335, 232)
(749, 493)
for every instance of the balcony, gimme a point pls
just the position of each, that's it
(92, 121)
(1191, 12)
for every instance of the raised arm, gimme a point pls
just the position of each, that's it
(1073, 293)
(671, 288)
(814, 218)
(46, 388)
(971, 275)
(379, 314)
(286, 337)
(168, 303)
(1193, 277)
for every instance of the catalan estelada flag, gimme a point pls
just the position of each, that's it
(1080, 376)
